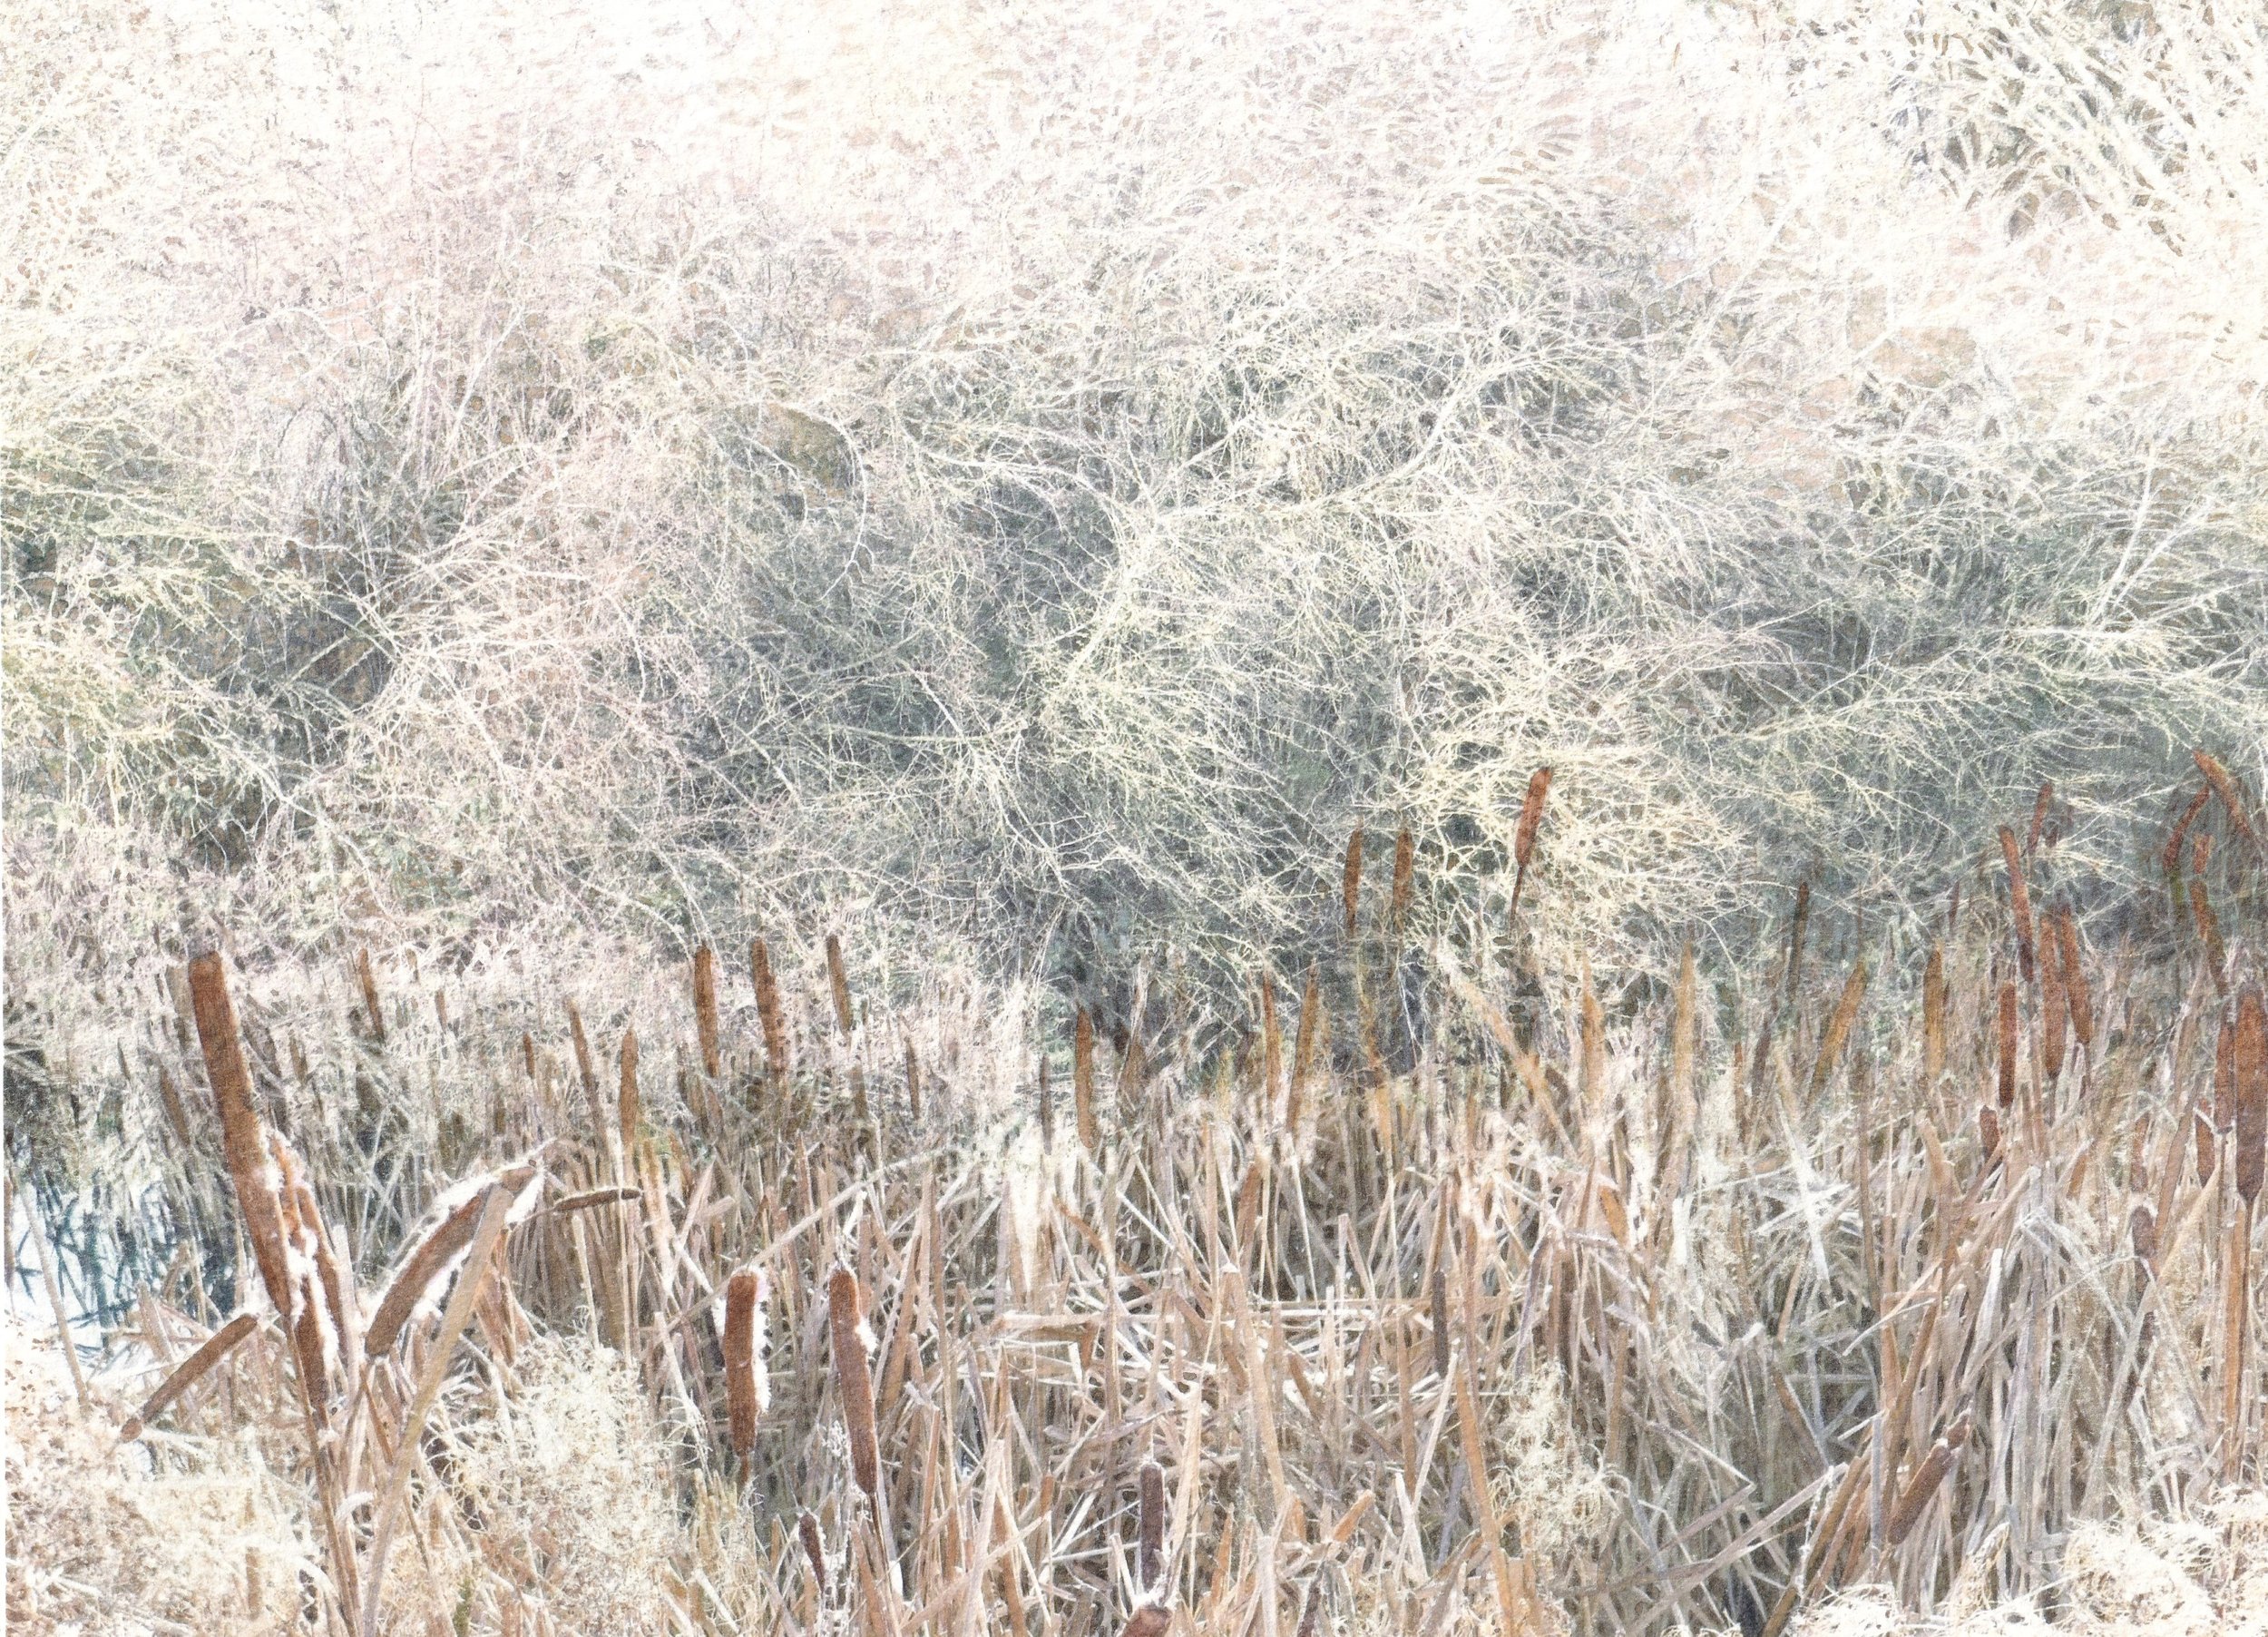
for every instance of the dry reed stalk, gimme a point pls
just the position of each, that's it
(1846, 1013)
(432, 1257)
(2223, 786)
(1150, 1558)
(1351, 878)
(1685, 1108)
(1084, 1081)
(2020, 902)
(371, 1006)
(838, 984)
(854, 1376)
(1594, 1037)
(704, 1009)
(1925, 1482)
(2008, 1045)
(187, 1373)
(2076, 993)
(1524, 837)
(2039, 815)
(242, 1141)
(1933, 1001)
(767, 1010)
(627, 1109)
(744, 1386)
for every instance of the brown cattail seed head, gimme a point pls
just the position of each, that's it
(767, 1008)
(1151, 1556)
(807, 1531)
(838, 983)
(743, 1393)
(1530, 821)
(854, 1377)
(1933, 999)
(2074, 989)
(1084, 1081)
(240, 1137)
(705, 1008)
(2217, 778)
(2251, 1054)
(626, 1091)
(1405, 877)
(2020, 902)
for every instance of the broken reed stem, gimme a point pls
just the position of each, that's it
(745, 1387)
(704, 1009)
(189, 1373)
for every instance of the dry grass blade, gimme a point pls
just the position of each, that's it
(853, 1376)
(189, 1373)
(241, 1139)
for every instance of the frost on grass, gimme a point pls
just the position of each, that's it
(568, 1477)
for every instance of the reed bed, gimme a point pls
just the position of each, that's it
(1497, 1298)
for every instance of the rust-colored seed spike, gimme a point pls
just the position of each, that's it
(2020, 902)
(1530, 821)
(1987, 1131)
(913, 1082)
(742, 1292)
(2039, 815)
(2008, 1045)
(2055, 1017)
(1933, 998)
(2252, 1094)
(241, 1138)
(1924, 1484)
(1047, 1104)
(1351, 878)
(1150, 1555)
(583, 1054)
(807, 1531)
(1271, 1045)
(1404, 875)
(1846, 1013)
(1148, 1619)
(767, 1009)
(370, 1002)
(2209, 933)
(1303, 1046)
(705, 1008)
(2223, 786)
(626, 1102)
(854, 1377)
(189, 1372)
(433, 1253)
(1084, 1081)
(2074, 990)
(838, 980)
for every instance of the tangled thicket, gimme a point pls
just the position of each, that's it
(1040, 472)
